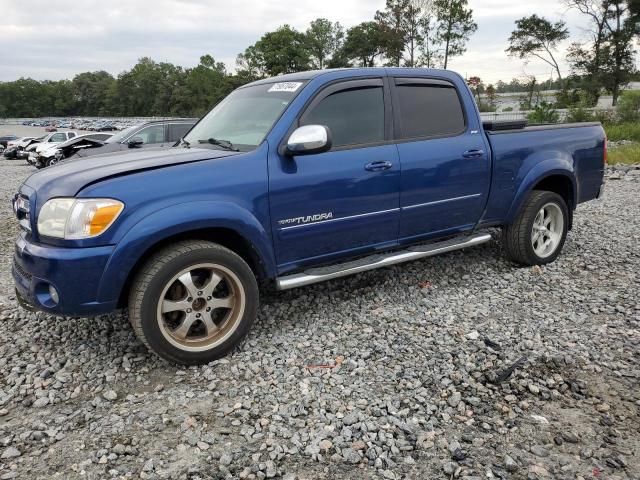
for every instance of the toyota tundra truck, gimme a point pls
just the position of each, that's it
(290, 181)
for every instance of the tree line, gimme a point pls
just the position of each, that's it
(411, 33)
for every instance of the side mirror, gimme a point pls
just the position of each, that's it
(309, 139)
(135, 142)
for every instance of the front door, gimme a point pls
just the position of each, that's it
(446, 169)
(344, 201)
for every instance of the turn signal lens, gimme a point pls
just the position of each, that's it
(103, 217)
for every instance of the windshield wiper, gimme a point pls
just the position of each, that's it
(185, 143)
(225, 144)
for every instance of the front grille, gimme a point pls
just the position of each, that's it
(21, 271)
(22, 209)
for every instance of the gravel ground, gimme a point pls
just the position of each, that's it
(398, 373)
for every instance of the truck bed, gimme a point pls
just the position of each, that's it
(519, 153)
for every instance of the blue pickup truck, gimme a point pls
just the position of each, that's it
(290, 181)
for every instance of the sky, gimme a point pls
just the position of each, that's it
(46, 39)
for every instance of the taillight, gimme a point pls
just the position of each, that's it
(604, 156)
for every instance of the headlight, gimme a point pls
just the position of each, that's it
(75, 219)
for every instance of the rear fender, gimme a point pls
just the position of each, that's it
(536, 168)
(176, 220)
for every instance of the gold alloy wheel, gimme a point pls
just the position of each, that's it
(200, 307)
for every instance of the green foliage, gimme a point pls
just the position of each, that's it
(283, 51)
(486, 106)
(605, 117)
(626, 154)
(579, 113)
(323, 39)
(536, 36)
(628, 108)
(148, 89)
(579, 107)
(543, 113)
(623, 131)
(364, 43)
(455, 27)
(608, 60)
(507, 109)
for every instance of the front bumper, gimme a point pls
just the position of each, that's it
(75, 273)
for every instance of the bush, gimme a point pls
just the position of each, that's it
(628, 108)
(486, 107)
(507, 109)
(605, 117)
(623, 131)
(579, 114)
(543, 113)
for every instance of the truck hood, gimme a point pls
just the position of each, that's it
(68, 178)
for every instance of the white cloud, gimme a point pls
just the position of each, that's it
(52, 40)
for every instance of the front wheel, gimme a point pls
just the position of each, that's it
(537, 235)
(193, 302)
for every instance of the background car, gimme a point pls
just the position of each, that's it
(158, 133)
(6, 139)
(51, 138)
(14, 147)
(58, 152)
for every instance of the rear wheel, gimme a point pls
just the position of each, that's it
(538, 234)
(193, 302)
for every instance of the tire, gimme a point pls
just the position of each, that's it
(52, 161)
(193, 302)
(522, 238)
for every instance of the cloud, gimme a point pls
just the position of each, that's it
(54, 40)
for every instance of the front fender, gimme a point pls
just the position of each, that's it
(536, 168)
(175, 220)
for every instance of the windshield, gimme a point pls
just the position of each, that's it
(245, 117)
(121, 135)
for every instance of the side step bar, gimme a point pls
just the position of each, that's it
(315, 275)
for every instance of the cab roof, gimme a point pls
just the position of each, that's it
(311, 74)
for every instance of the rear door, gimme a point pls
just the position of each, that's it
(344, 201)
(445, 163)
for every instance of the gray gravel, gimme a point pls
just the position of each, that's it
(398, 373)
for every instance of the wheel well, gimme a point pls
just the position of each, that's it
(562, 186)
(223, 236)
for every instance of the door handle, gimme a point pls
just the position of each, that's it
(378, 166)
(473, 153)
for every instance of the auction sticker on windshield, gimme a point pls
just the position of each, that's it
(285, 87)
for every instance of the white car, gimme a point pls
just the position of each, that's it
(58, 151)
(19, 142)
(54, 138)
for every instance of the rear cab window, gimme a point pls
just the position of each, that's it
(427, 108)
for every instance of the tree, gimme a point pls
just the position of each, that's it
(428, 42)
(476, 86)
(282, 51)
(90, 91)
(608, 60)
(392, 26)
(363, 44)
(536, 36)
(250, 64)
(490, 92)
(323, 39)
(455, 26)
